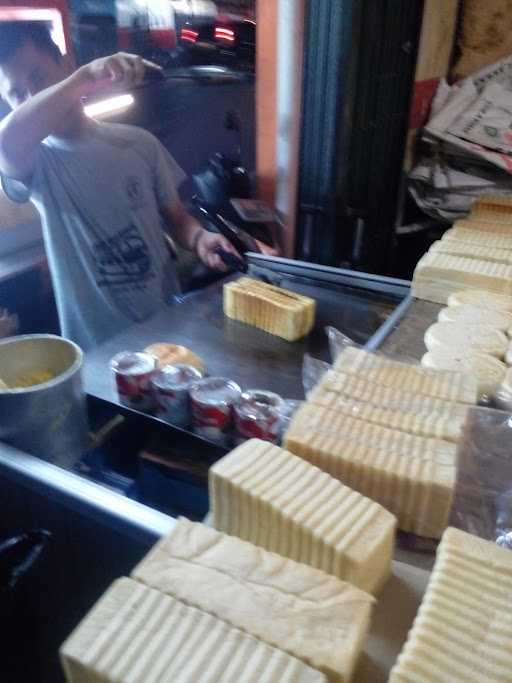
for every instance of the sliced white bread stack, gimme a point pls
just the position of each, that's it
(463, 629)
(285, 604)
(266, 495)
(412, 476)
(492, 209)
(393, 374)
(475, 253)
(135, 634)
(458, 247)
(277, 311)
(390, 430)
(437, 275)
(413, 418)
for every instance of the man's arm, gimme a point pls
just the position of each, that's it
(27, 126)
(189, 233)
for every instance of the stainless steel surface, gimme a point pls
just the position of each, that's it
(390, 325)
(356, 303)
(378, 284)
(49, 419)
(93, 500)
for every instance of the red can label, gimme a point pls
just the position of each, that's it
(132, 373)
(212, 416)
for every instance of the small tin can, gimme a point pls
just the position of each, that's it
(171, 386)
(212, 401)
(258, 415)
(132, 372)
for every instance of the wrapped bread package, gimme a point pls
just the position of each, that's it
(355, 387)
(394, 374)
(135, 634)
(463, 629)
(283, 603)
(274, 499)
(277, 311)
(413, 477)
(407, 418)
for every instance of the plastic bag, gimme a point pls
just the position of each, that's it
(483, 495)
(312, 372)
(339, 342)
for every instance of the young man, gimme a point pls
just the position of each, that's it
(105, 191)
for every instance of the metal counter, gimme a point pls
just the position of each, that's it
(359, 305)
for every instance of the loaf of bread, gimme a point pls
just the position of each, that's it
(414, 484)
(487, 224)
(462, 631)
(396, 375)
(393, 440)
(447, 425)
(135, 634)
(438, 275)
(481, 252)
(288, 605)
(492, 208)
(357, 388)
(479, 238)
(266, 495)
(278, 311)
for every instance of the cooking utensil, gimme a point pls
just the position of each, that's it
(47, 419)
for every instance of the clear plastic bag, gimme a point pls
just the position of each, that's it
(339, 342)
(483, 495)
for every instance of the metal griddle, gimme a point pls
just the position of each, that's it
(362, 306)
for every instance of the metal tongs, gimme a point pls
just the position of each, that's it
(240, 239)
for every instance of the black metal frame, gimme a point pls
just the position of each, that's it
(358, 77)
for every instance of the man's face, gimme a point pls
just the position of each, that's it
(29, 71)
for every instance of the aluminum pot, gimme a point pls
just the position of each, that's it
(48, 419)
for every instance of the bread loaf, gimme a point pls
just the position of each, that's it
(278, 311)
(266, 495)
(135, 634)
(285, 604)
(462, 631)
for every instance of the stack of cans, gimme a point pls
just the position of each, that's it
(214, 407)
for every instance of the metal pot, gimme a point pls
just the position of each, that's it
(48, 419)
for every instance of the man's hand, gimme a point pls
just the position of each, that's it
(207, 245)
(121, 69)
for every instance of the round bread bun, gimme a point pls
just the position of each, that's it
(459, 337)
(508, 354)
(476, 315)
(482, 299)
(488, 370)
(171, 354)
(507, 382)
